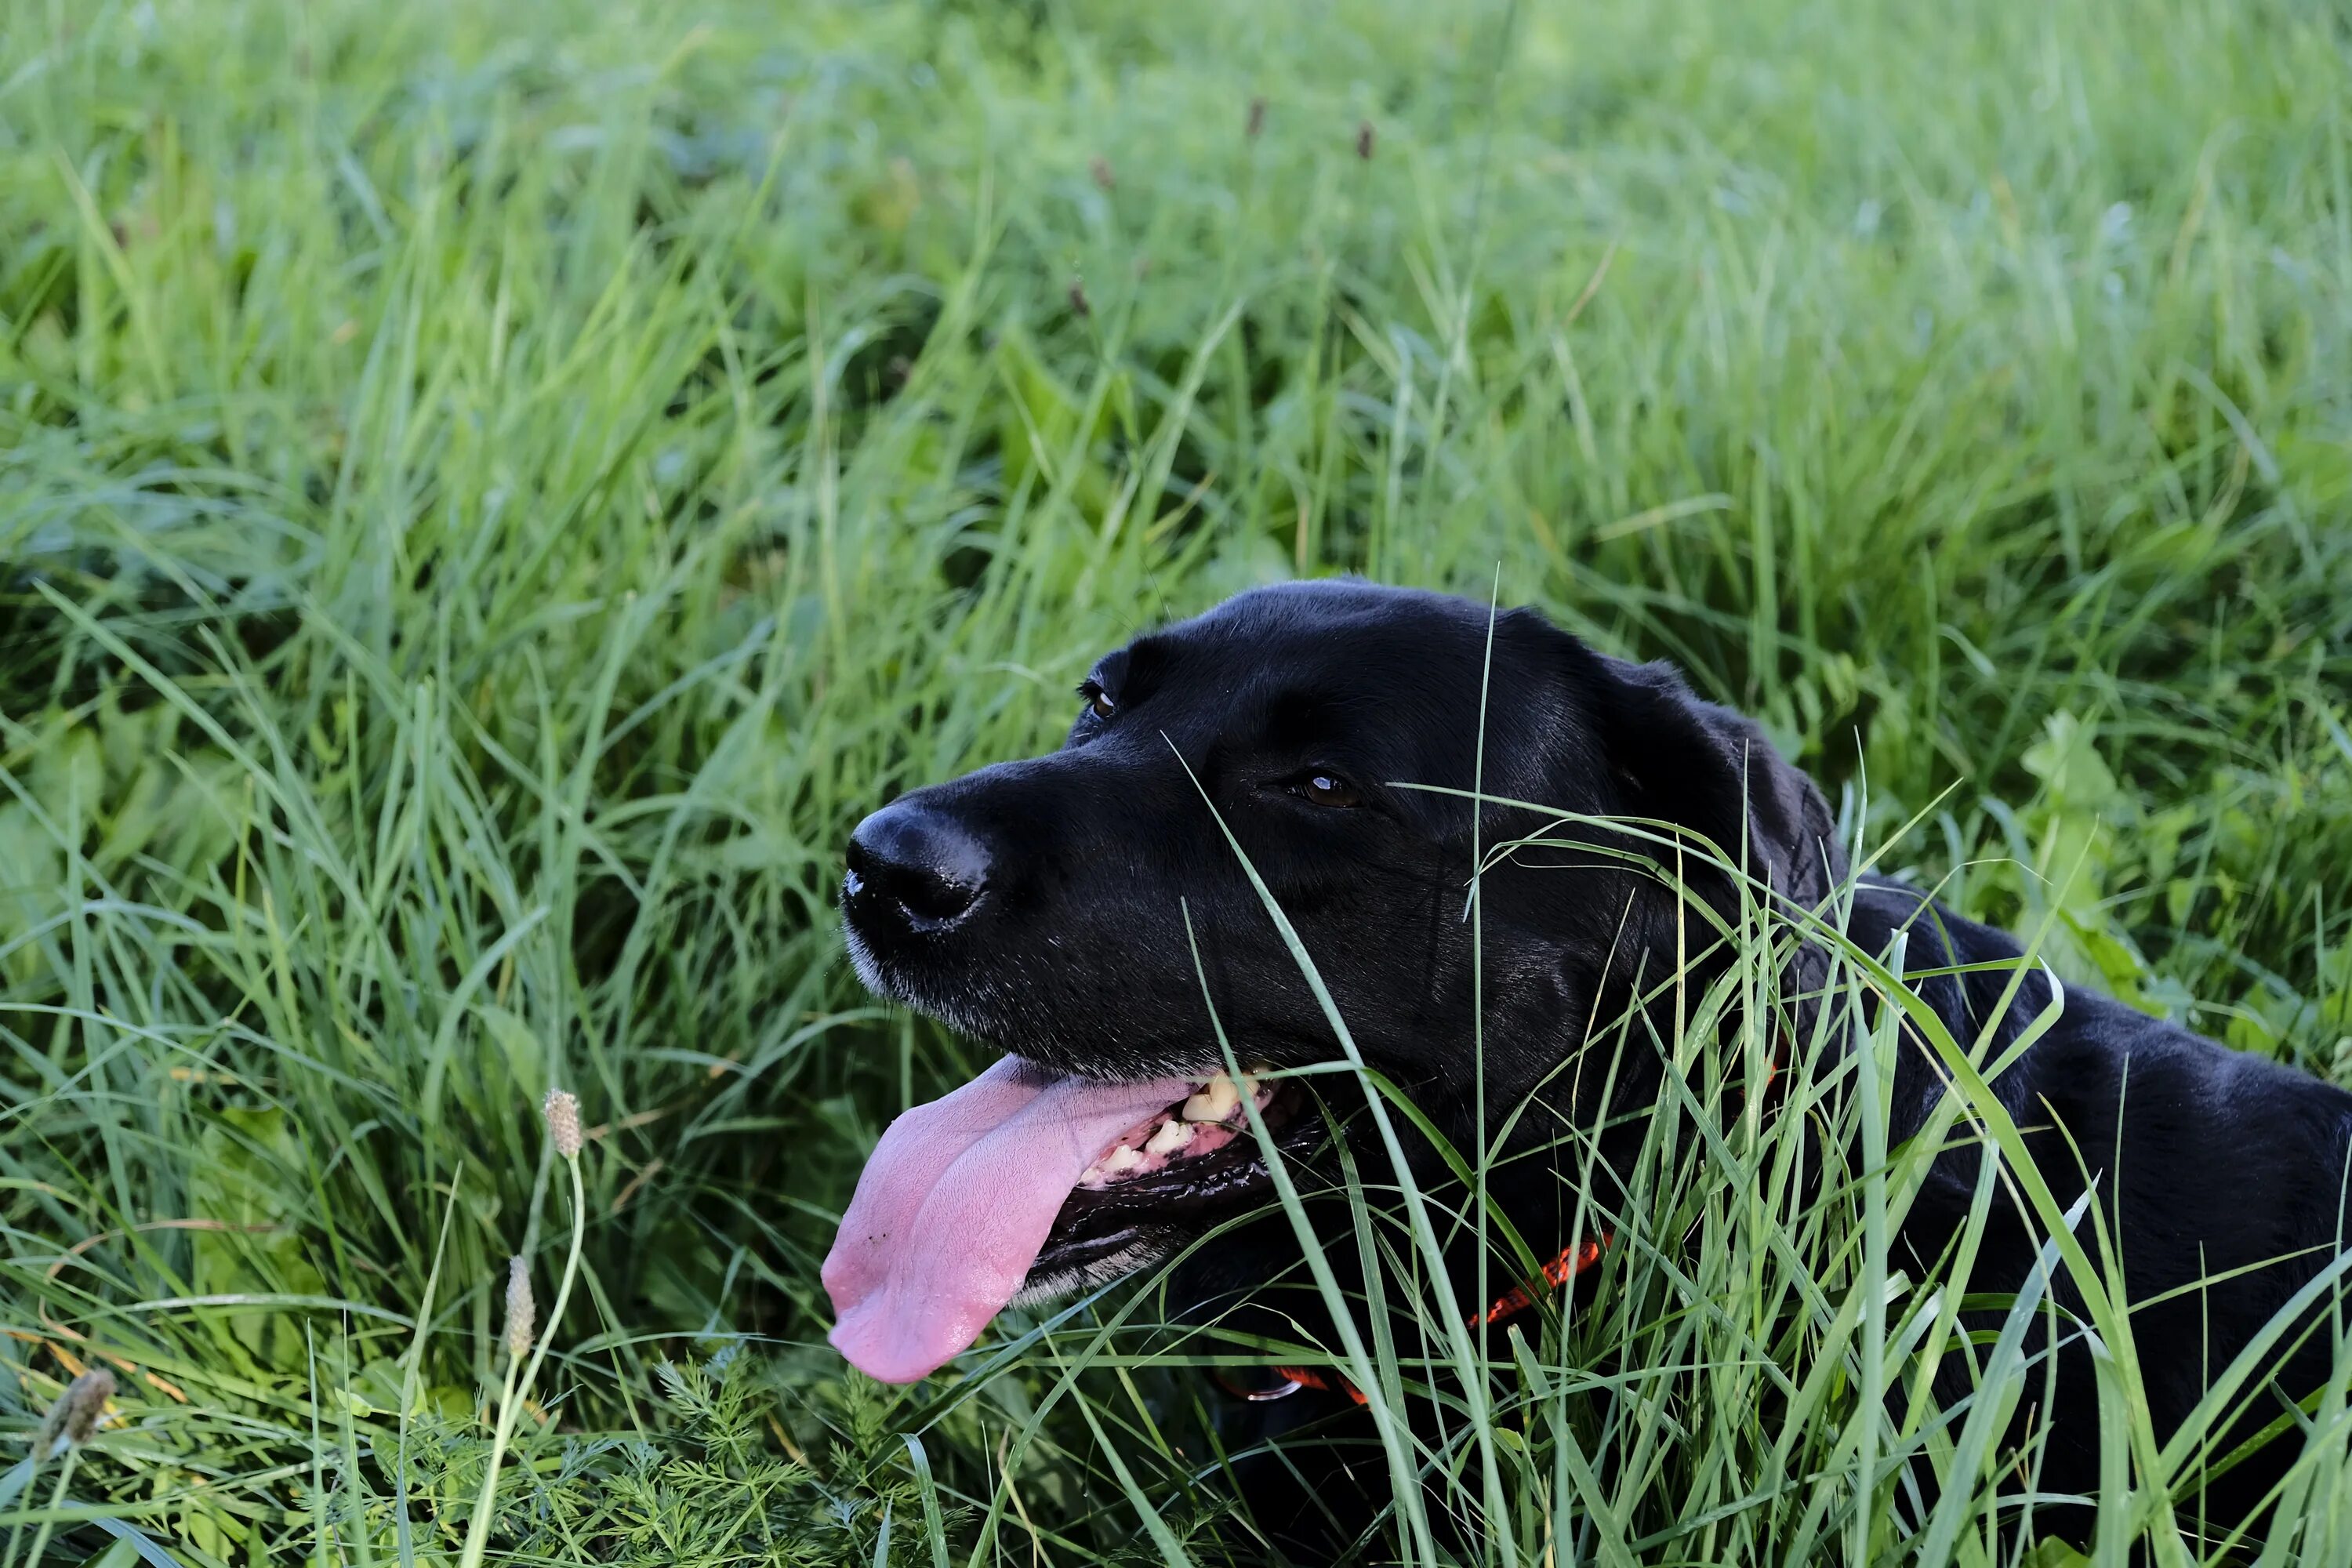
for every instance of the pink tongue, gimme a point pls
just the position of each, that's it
(951, 1209)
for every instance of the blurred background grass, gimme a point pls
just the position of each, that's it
(491, 494)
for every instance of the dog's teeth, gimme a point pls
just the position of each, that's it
(1171, 1137)
(1121, 1161)
(1214, 1102)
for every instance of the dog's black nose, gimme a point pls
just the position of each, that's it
(913, 866)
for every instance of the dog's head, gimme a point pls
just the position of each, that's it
(1086, 910)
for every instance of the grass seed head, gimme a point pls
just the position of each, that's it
(75, 1414)
(562, 1110)
(1364, 141)
(1099, 167)
(1257, 118)
(522, 1311)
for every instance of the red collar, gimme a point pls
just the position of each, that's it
(1572, 1261)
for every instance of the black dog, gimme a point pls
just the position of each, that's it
(1051, 907)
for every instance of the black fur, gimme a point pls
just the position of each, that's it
(1063, 939)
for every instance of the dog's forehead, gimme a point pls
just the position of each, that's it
(1383, 681)
(1337, 637)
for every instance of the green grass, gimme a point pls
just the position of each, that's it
(491, 494)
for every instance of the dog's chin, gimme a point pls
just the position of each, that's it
(1050, 1282)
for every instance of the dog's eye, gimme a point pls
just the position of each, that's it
(1098, 702)
(1324, 788)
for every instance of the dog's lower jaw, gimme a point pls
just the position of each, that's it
(1053, 1284)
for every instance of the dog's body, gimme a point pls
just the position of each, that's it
(1053, 906)
(2210, 1164)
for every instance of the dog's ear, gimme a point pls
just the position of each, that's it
(1674, 757)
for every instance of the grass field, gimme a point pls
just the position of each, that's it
(492, 493)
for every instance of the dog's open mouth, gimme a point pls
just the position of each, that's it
(1204, 1121)
(1026, 1182)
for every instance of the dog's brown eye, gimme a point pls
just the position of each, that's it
(1329, 789)
(1098, 700)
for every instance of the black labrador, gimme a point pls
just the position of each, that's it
(1055, 906)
